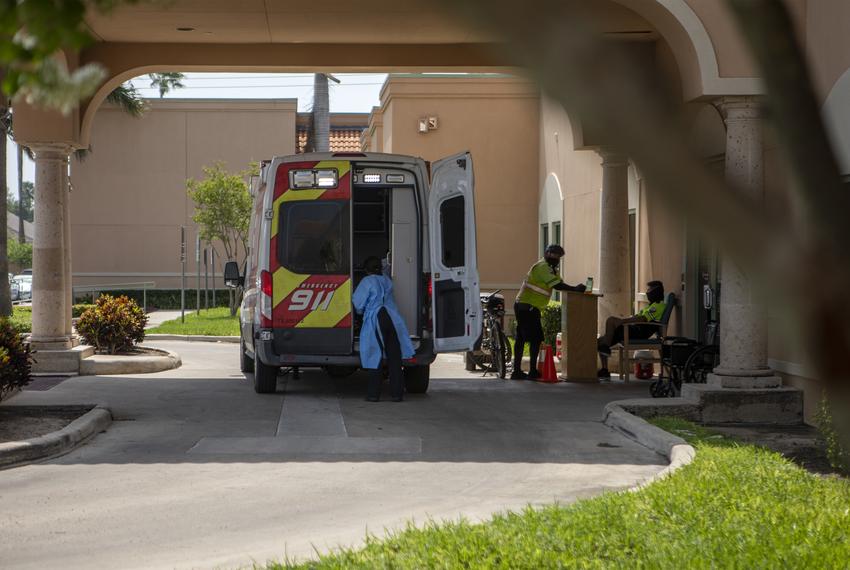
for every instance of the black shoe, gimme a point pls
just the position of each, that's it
(603, 374)
(372, 399)
(533, 374)
(398, 399)
(519, 375)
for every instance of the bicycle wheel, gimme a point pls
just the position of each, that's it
(701, 363)
(499, 350)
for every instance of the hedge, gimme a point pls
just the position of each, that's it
(167, 299)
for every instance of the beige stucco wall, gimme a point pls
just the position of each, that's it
(580, 175)
(496, 118)
(129, 194)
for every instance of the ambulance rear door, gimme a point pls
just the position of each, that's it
(455, 308)
(310, 258)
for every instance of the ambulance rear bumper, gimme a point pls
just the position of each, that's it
(423, 356)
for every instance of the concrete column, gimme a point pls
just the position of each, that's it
(614, 238)
(49, 296)
(66, 226)
(743, 315)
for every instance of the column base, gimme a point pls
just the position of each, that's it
(744, 379)
(61, 361)
(50, 343)
(717, 405)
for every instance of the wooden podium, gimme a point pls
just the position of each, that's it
(578, 338)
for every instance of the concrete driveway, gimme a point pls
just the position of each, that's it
(198, 471)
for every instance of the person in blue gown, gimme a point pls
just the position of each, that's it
(383, 333)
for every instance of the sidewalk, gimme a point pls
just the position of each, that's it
(156, 318)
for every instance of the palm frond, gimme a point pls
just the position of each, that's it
(128, 99)
(166, 81)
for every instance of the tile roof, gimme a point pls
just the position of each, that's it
(342, 139)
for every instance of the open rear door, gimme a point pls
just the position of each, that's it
(456, 308)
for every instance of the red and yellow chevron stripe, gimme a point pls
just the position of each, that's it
(308, 301)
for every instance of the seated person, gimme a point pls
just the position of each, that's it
(614, 325)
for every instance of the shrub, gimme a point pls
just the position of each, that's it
(836, 452)
(15, 359)
(80, 308)
(550, 318)
(113, 324)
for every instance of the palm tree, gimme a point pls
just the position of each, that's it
(320, 134)
(319, 138)
(167, 81)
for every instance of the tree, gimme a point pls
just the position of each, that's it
(127, 97)
(166, 81)
(20, 254)
(223, 210)
(24, 208)
(32, 32)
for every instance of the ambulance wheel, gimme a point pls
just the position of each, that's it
(246, 363)
(417, 378)
(340, 371)
(265, 378)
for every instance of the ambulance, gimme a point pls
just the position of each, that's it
(316, 219)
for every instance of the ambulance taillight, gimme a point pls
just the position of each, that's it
(265, 299)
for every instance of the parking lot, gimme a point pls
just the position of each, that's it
(198, 471)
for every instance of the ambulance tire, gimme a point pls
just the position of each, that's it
(246, 363)
(416, 379)
(265, 378)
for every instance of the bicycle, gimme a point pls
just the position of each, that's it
(494, 352)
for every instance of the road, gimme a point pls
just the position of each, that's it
(198, 471)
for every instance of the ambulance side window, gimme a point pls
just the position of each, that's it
(453, 232)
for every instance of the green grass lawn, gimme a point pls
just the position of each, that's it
(22, 319)
(212, 322)
(735, 506)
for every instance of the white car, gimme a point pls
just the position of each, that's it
(24, 283)
(14, 288)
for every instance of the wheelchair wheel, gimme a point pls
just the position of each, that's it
(701, 363)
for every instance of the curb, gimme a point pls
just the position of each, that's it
(677, 451)
(192, 338)
(15, 453)
(105, 365)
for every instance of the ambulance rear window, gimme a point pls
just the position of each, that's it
(314, 237)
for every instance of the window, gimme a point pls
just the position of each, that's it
(544, 237)
(556, 233)
(314, 237)
(453, 232)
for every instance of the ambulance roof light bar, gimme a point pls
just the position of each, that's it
(314, 178)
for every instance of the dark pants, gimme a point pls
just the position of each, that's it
(392, 350)
(530, 330)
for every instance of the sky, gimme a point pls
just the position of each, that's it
(356, 93)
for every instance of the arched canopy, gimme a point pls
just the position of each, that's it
(270, 36)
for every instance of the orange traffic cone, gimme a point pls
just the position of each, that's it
(548, 373)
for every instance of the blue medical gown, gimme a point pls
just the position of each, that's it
(374, 292)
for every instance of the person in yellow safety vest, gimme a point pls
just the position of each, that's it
(534, 294)
(614, 326)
